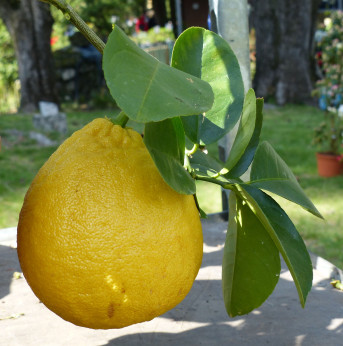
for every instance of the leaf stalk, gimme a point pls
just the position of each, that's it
(223, 184)
(121, 119)
(193, 150)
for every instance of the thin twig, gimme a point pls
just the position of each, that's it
(74, 18)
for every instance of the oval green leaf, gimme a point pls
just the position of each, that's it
(245, 161)
(251, 262)
(165, 141)
(284, 234)
(205, 164)
(206, 55)
(146, 89)
(245, 130)
(270, 172)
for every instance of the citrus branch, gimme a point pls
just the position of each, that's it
(223, 184)
(73, 16)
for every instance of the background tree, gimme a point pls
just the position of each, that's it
(284, 48)
(29, 23)
(8, 72)
(160, 11)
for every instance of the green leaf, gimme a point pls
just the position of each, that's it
(205, 164)
(202, 214)
(206, 55)
(192, 125)
(245, 130)
(146, 89)
(284, 234)
(269, 172)
(251, 262)
(180, 137)
(165, 141)
(244, 162)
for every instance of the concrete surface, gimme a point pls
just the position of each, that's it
(199, 320)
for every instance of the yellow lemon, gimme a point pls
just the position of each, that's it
(103, 241)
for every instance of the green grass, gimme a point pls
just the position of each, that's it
(21, 158)
(289, 129)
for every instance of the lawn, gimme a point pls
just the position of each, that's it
(288, 129)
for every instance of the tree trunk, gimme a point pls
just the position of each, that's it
(160, 12)
(29, 23)
(173, 16)
(284, 49)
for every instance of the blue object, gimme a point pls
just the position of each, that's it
(322, 103)
(338, 100)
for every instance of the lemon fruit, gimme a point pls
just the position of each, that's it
(103, 241)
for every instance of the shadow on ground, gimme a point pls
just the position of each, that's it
(8, 265)
(201, 320)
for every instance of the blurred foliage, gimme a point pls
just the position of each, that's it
(154, 35)
(105, 12)
(8, 65)
(100, 16)
(329, 89)
(331, 60)
(8, 72)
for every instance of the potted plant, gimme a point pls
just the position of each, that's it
(329, 134)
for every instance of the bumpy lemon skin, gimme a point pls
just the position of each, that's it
(103, 241)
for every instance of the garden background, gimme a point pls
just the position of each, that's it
(292, 113)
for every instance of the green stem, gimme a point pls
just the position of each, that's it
(223, 184)
(73, 16)
(201, 212)
(193, 150)
(121, 119)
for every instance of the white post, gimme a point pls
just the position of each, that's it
(178, 16)
(232, 24)
(230, 19)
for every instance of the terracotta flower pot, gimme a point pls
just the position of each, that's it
(329, 165)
